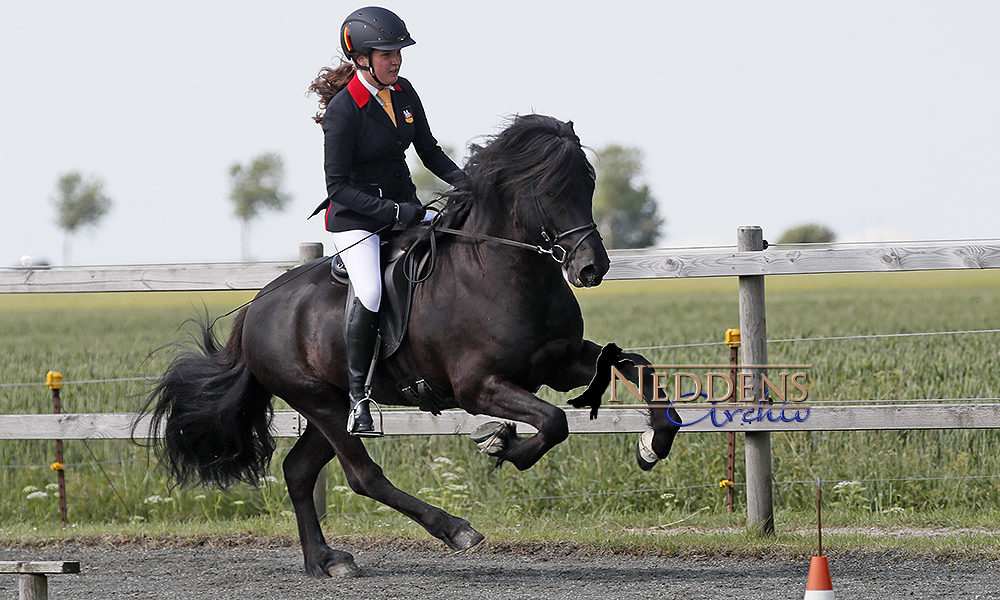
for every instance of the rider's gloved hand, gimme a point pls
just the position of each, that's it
(408, 213)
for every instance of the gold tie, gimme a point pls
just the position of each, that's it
(386, 98)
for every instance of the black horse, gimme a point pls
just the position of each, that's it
(494, 321)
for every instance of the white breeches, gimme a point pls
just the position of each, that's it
(363, 263)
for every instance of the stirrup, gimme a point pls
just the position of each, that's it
(373, 432)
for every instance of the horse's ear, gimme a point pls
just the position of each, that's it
(570, 125)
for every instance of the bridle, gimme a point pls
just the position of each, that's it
(549, 234)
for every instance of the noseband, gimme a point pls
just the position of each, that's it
(553, 241)
(549, 234)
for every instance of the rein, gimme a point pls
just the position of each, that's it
(557, 252)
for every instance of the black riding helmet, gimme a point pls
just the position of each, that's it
(372, 28)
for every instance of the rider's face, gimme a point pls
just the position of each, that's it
(385, 64)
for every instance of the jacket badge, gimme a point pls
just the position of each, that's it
(407, 115)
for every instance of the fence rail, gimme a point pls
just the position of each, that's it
(612, 419)
(630, 264)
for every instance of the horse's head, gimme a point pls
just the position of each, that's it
(542, 186)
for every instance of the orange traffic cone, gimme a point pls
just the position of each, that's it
(819, 586)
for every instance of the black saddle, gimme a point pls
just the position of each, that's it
(404, 268)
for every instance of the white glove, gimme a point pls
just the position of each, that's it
(429, 215)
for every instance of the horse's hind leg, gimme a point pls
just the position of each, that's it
(366, 478)
(302, 465)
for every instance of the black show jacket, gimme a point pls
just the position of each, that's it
(365, 164)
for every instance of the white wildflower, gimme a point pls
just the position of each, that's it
(29, 489)
(443, 459)
(846, 484)
(153, 499)
(37, 495)
(52, 486)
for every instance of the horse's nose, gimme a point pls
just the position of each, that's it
(590, 276)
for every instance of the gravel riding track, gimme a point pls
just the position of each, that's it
(546, 571)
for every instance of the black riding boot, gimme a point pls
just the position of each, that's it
(361, 333)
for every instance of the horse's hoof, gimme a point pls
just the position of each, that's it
(492, 437)
(343, 570)
(644, 454)
(333, 563)
(465, 539)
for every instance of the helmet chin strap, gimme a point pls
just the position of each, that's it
(370, 70)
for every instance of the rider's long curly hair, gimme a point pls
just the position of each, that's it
(326, 85)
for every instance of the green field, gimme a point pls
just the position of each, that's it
(914, 478)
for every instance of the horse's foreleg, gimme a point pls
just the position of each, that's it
(302, 465)
(578, 372)
(502, 399)
(653, 445)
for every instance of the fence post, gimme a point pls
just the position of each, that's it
(753, 329)
(54, 381)
(309, 251)
(733, 341)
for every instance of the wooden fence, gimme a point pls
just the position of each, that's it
(749, 262)
(625, 264)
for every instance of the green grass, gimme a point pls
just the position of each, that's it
(940, 535)
(575, 492)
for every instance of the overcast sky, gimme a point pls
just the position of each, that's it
(878, 119)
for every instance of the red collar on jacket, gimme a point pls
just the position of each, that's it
(360, 93)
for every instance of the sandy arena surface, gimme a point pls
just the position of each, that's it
(547, 572)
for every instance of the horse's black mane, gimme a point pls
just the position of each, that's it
(534, 151)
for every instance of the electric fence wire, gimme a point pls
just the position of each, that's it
(82, 381)
(608, 493)
(75, 465)
(823, 339)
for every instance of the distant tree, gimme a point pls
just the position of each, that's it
(625, 212)
(256, 187)
(79, 203)
(428, 184)
(809, 233)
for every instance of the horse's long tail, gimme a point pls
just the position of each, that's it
(211, 417)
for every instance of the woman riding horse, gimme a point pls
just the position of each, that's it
(495, 321)
(367, 129)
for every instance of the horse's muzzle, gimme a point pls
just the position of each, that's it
(588, 265)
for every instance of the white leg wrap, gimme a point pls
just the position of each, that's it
(646, 447)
